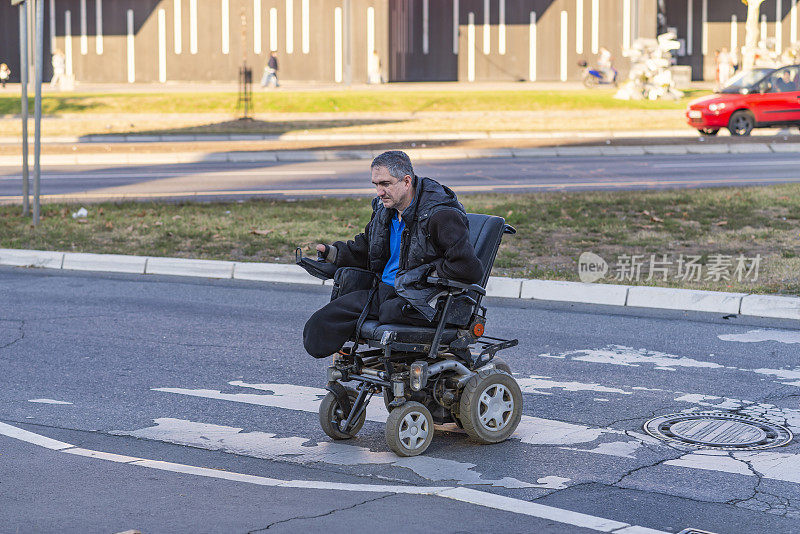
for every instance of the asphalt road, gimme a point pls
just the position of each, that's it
(234, 181)
(204, 389)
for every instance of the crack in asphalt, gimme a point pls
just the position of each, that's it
(21, 333)
(331, 512)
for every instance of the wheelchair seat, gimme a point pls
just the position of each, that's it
(485, 234)
(372, 330)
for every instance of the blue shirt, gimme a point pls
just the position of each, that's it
(390, 271)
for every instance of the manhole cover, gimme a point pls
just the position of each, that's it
(718, 430)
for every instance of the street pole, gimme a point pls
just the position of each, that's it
(37, 132)
(23, 78)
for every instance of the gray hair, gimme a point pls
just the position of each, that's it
(396, 162)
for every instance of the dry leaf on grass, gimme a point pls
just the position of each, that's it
(260, 232)
(721, 223)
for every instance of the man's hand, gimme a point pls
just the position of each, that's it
(327, 252)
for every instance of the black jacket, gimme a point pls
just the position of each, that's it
(436, 238)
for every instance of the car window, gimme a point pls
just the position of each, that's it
(784, 80)
(744, 79)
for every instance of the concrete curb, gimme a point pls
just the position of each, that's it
(164, 158)
(372, 137)
(767, 306)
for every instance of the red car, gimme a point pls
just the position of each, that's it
(757, 98)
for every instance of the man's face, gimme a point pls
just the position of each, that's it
(393, 193)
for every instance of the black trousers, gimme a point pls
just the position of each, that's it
(332, 325)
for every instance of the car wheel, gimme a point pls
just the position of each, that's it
(741, 123)
(708, 131)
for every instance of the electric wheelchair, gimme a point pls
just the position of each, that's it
(446, 373)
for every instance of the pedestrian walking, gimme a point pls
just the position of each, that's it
(724, 67)
(271, 71)
(374, 69)
(5, 74)
(59, 62)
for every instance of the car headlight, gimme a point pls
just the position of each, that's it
(716, 107)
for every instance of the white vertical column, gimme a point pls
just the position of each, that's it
(689, 26)
(162, 46)
(532, 48)
(564, 45)
(289, 26)
(764, 28)
(486, 28)
(193, 26)
(595, 26)
(425, 23)
(84, 36)
(734, 34)
(501, 29)
(704, 28)
(626, 24)
(370, 33)
(778, 26)
(455, 27)
(273, 29)
(338, 51)
(52, 26)
(131, 58)
(257, 26)
(306, 31)
(471, 47)
(98, 27)
(177, 31)
(579, 26)
(793, 23)
(68, 41)
(225, 22)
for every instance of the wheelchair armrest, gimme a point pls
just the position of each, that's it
(452, 284)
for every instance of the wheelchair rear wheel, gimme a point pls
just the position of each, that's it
(491, 406)
(409, 429)
(331, 414)
(500, 363)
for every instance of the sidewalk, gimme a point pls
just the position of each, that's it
(731, 304)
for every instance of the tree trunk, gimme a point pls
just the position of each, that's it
(751, 34)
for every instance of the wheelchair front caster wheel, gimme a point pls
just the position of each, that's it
(491, 406)
(409, 429)
(331, 415)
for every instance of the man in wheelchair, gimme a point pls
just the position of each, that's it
(409, 287)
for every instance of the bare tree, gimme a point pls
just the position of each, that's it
(751, 33)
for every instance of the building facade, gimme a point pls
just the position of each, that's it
(331, 41)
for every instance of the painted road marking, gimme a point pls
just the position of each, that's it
(539, 431)
(757, 336)
(465, 495)
(531, 430)
(302, 450)
(48, 401)
(727, 163)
